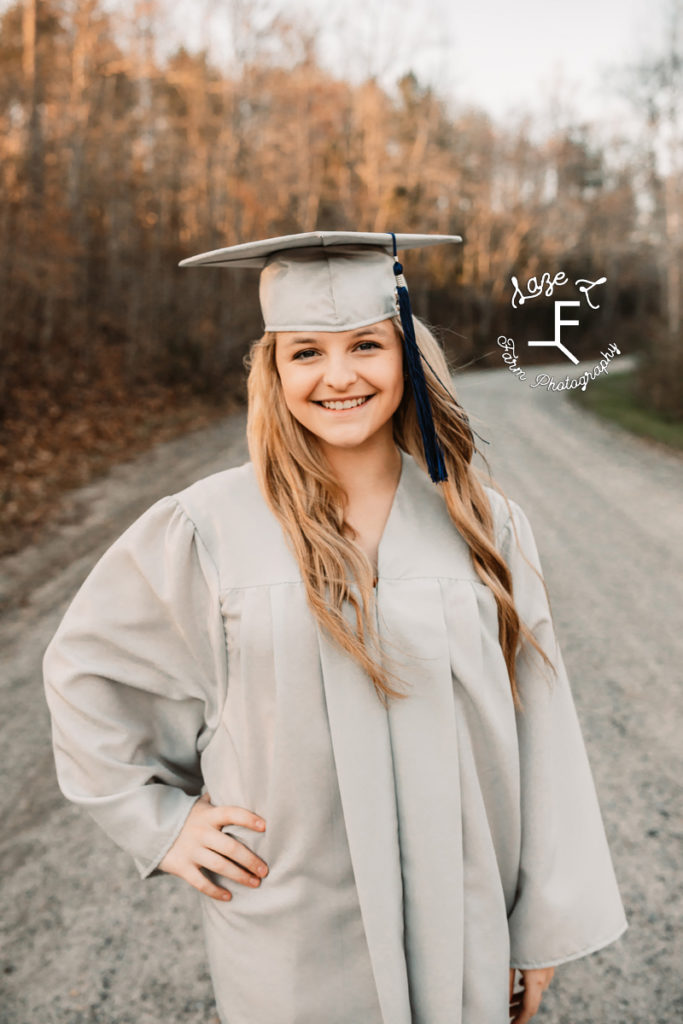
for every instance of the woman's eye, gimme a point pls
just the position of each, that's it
(306, 353)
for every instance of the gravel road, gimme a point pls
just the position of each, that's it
(84, 941)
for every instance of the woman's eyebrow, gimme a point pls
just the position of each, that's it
(302, 341)
(366, 330)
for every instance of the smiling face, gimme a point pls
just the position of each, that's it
(342, 386)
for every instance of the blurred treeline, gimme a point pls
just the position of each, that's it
(115, 163)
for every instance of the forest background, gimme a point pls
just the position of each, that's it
(120, 156)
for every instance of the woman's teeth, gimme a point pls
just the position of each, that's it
(349, 403)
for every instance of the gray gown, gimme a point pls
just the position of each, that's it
(415, 853)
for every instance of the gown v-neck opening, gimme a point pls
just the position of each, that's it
(386, 530)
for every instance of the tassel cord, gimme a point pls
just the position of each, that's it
(432, 449)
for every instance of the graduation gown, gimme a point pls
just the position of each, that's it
(415, 853)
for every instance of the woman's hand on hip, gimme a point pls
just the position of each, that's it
(524, 1004)
(201, 844)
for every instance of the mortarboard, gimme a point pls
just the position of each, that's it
(339, 281)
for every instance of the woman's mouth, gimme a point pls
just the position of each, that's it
(339, 404)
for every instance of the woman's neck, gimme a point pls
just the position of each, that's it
(366, 469)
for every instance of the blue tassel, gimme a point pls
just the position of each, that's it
(430, 443)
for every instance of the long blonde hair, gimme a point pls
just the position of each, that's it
(309, 503)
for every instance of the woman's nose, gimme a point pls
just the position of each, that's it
(339, 373)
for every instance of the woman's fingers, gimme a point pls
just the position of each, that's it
(530, 1003)
(231, 815)
(525, 1004)
(201, 844)
(236, 851)
(198, 880)
(228, 868)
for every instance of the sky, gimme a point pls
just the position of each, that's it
(510, 56)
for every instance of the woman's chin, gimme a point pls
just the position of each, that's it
(348, 443)
(345, 438)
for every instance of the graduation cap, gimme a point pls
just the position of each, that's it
(339, 281)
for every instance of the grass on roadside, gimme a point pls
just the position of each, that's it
(613, 397)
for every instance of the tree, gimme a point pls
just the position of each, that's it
(654, 87)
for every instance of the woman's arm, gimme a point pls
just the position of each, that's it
(135, 677)
(567, 902)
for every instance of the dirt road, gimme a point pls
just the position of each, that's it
(85, 941)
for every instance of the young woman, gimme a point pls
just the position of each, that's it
(325, 690)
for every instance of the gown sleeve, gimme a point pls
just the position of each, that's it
(132, 675)
(567, 902)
